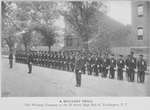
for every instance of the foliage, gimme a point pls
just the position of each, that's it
(84, 16)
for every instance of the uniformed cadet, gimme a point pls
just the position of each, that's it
(56, 60)
(60, 61)
(142, 67)
(105, 64)
(16, 56)
(112, 66)
(132, 67)
(10, 58)
(39, 58)
(127, 67)
(63, 61)
(46, 59)
(29, 60)
(100, 63)
(36, 58)
(96, 66)
(120, 65)
(84, 61)
(78, 66)
(72, 61)
(90, 64)
(67, 62)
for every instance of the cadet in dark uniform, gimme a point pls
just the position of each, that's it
(67, 62)
(105, 64)
(78, 66)
(100, 63)
(60, 61)
(112, 67)
(142, 67)
(10, 58)
(120, 64)
(84, 61)
(96, 66)
(127, 68)
(63, 61)
(29, 61)
(90, 64)
(132, 67)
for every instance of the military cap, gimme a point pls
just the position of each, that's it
(132, 53)
(120, 55)
(112, 54)
(141, 55)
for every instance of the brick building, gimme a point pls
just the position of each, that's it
(140, 27)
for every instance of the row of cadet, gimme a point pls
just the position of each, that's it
(93, 63)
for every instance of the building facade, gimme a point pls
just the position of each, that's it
(140, 27)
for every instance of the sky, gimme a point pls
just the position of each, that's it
(118, 10)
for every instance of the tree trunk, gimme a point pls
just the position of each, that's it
(26, 49)
(86, 48)
(49, 47)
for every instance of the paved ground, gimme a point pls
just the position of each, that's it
(45, 82)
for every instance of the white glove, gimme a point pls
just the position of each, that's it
(97, 65)
(79, 71)
(30, 63)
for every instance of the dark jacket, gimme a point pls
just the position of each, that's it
(112, 62)
(79, 64)
(141, 65)
(10, 56)
(120, 63)
(29, 58)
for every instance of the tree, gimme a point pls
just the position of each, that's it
(85, 17)
(26, 39)
(49, 35)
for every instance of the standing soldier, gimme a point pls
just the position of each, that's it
(112, 67)
(105, 64)
(78, 66)
(132, 66)
(100, 63)
(84, 61)
(52, 60)
(120, 64)
(142, 67)
(67, 62)
(60, 61)
(29, 61)
(16, 56)
(90, 64)
(10, 58)
(64, 61)
(127, 68)
(56, 60)
(96, 66)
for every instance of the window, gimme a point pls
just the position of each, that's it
(140, 10)
(140, 33)
(69, 42)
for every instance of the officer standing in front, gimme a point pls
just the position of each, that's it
(142, 67)
(132, 66)
(78, 69)
(29, 61)
(11, 58)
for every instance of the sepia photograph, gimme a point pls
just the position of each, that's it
(75, 49)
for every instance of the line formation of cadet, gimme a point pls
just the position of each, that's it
(96, 63)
